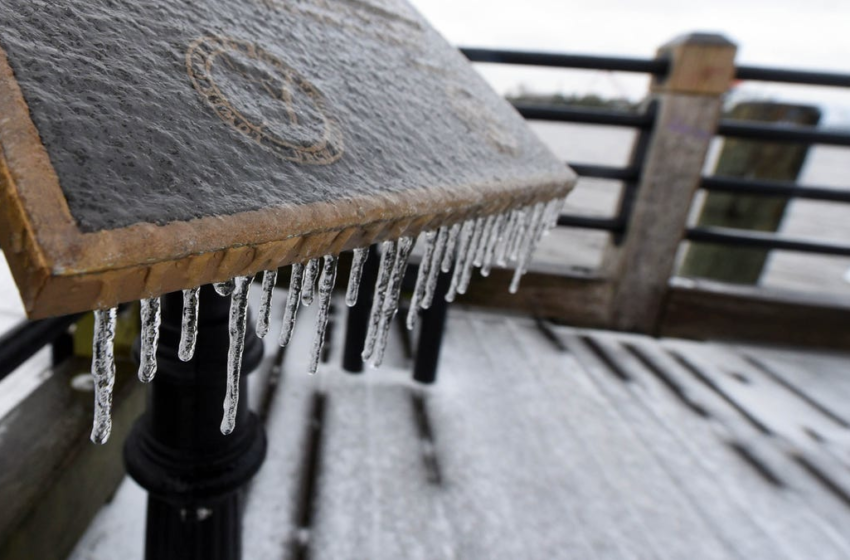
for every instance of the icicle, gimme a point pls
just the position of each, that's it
(421, 279)
(463, 242)
(150, 339)
(238, 321)
(308, 286)
(553, 212)
(471, 252)
(326, 286)
(103, 372)
(492, 244)
(189, 328)
(481, 251)
(357, 262)
(506, 237)
(385, 271)
(451, 245)
(404, 245)
(269, 283)
(533, 233)
(293, 300)
(518, 234)
(224, 288)
(434, 270)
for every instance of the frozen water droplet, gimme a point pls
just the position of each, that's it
(223, 288)
(451, 245)
(237, 326)
(464, 240)
(404, 245)
(533, 233)
(308, 286)
(506, 237)
(385, 272)
(434, 269)
(326, 286)
(471, 253)
(421, 279)
(492, 244)
(189, 327)
(269, 283)
(357, 262)
(149, 338)
(103, 372)
(293, 300)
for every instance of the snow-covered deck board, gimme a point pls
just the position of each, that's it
(617, 447)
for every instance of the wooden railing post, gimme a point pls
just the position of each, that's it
(689, 106)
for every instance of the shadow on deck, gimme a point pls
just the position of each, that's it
(542, 442)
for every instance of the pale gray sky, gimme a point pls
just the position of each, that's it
(805, 34)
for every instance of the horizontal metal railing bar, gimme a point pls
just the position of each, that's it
(605, 171)
(27, 338)
(780, 133)
(652, 66)
(772, 188)
(792, 76)
(764, 240)
(589, 222)
(566, 113)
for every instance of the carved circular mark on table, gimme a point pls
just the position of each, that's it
(264, 98)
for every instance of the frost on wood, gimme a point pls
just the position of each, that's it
(189, 327)
(308, 286)
(293, 300)
(237, 326)
(385, 270)
(326, 286)
(269, 282)
(357, 262)
(422, 277)
(103, 372)
(150, 312)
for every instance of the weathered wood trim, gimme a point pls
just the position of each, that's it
(60, 269)
(713, 310)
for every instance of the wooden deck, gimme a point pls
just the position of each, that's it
(542, 443)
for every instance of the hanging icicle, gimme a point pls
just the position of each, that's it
(225, 288)
(533, 233)
(308, 286)
(189, 326)
(421, 279)
(471, 252)
(435, 267)
(269, 283)
(385, 271)
(451, 245)
(103, 372)
(293, 300)
(237, 326)
(464, 240)
(357, 262)
(149, 336)
(326, 286)
(404, 246)
(481, 250)
(492, 244)
(506, 237)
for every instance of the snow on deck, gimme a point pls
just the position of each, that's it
(579, 444)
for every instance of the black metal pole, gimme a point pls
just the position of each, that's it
(176, 451)
(358, 316)
(433, 323)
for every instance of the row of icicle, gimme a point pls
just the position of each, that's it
(481, 242)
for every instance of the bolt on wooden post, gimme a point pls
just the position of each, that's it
(702, 67)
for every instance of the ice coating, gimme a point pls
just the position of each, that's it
(533, 232)
(422, 276)
(237, 325)
(492, 244)
(471, 252)
(189, 326)
(436, 265)
(149, 336)
(385, 271)
(326, 286)
(269, 283)
(224, 288)
(103, 372)
(357, 262)
(451, 245)
(464, 240)
(404, 246)
(293, 300)
(308, 284)
(505, 237)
